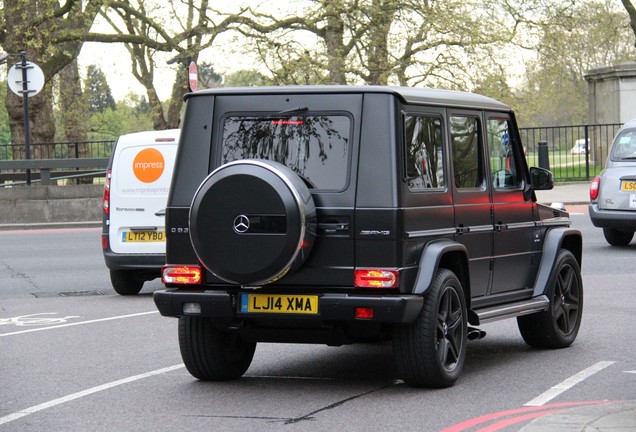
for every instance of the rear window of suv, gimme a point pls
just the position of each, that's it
(315, 146)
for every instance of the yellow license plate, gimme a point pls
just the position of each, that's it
(143, 236)
(277, 303)
(629, 186)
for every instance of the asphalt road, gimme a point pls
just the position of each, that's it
(75, 356)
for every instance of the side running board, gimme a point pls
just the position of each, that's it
(510, 310)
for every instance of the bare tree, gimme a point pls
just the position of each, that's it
(136, 23)
(405, 42)
(51, 35)
(631, 11)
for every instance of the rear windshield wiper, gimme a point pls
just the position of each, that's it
(293, 110)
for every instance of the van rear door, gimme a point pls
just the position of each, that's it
(141, 172)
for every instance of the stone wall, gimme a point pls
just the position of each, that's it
(26, 207)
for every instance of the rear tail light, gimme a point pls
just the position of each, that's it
(363, 313)
(376, 278)
(185, 274)
(106, 200)
(594, 188)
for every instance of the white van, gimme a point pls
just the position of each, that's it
(135, 195)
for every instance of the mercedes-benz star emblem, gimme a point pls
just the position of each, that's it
(241, 224)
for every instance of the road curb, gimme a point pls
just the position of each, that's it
(49, 225)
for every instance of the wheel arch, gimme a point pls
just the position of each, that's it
(446, 254)
(555, 240)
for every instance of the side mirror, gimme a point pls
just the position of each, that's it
(541, 178)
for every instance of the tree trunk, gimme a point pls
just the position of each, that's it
(334, 40)
(179, 88)
(73, 112)
(41, 123)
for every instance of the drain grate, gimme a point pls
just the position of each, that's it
(81, 293)
(45, 294)
(67, 294)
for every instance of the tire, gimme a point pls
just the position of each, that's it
(558, 326)
(431, 352)
(210, 354)
(252, 222)
(126, 282)
(618, 238)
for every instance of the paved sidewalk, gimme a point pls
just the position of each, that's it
(567, 193)
(619, 416)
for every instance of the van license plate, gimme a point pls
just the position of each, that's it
(629, 186)
(277, 303)
(143, 236)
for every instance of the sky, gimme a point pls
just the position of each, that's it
(114, 61)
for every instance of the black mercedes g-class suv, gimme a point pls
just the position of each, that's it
(337, 214)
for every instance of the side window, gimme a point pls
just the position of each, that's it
(467, 155)
(503, 164)
(424, 164)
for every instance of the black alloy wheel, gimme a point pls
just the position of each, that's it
(431, 351)
(558, 326)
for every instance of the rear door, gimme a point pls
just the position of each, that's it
(473, 209)
(140, 179)
(514, 226)
(314, 135)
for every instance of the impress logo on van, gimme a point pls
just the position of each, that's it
(148, 165)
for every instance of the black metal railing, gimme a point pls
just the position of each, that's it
(576, 153)
(58, 150)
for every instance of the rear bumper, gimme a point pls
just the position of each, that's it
(115, 261)
(617, 219)
(222, 305)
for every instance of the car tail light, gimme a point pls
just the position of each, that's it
(363, 313)
(185, 274)
(376, 278)
(594, 187)
(106, 200)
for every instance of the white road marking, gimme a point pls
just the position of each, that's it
(34, 409)
(78, 323)
(634, 371)
(36, 320)
(568, 383)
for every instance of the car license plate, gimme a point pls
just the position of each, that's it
(629, 186)
(278, 303)
(143, 236)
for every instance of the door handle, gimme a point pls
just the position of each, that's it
(333, 227)
(462, 229)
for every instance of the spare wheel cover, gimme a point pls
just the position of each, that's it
(252, 222)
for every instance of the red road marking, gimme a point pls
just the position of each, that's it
(544, 410)
(514, 420)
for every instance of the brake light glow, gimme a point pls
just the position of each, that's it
(287, 122)
(594, 187)
(185, 275)
(363, 313)
(106, 199)
(376, 278)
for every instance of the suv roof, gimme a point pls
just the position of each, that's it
(446, 98)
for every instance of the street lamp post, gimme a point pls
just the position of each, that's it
(25, 79)
(25, 103)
